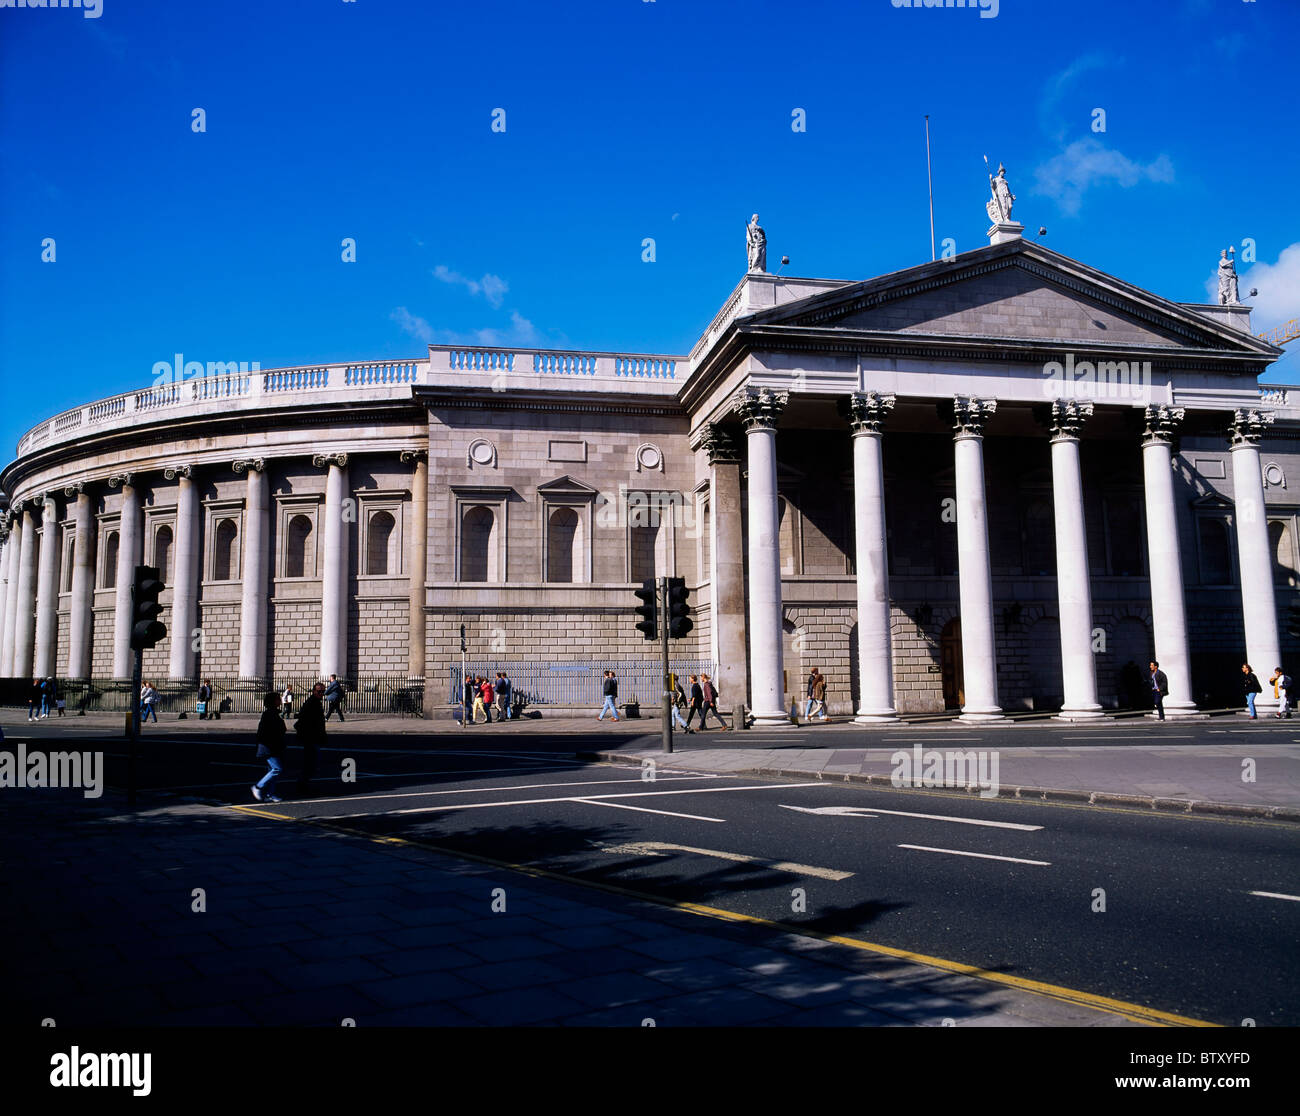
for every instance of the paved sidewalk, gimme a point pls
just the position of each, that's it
(305, 925)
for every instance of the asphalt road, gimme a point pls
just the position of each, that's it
(1200, 917)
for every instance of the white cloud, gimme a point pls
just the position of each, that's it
(416, 327)
(491, 287)
(1055, 91)
(1278, 300)
(1089, 162)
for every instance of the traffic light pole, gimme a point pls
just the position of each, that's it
(137, 678)
(663, 636)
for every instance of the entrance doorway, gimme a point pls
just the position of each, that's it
(954, 683)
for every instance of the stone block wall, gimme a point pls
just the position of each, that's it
(220, 624)
(295, 640)
(379, 629)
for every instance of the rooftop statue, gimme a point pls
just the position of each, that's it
(1228, 278)
(999, 206)
(756, 243)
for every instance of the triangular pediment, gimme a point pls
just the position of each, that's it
(1019, 291)
(566, 486)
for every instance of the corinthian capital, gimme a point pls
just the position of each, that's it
(719, 445)
(1161, 422)
(759, 408)
(868, 410)
(969, 414)
(1068, 416)
(1248, 426)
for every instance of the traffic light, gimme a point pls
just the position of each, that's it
(463, 645)
(648, 610)
(146, 628)
(679, 619)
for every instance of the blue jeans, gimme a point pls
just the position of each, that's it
(1250, 703)
(267, 781)
(609, 704)
(677, 717)
(148, 710)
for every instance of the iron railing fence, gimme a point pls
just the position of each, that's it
(577, 684)
(366, 693)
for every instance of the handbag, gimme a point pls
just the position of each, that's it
(202, 707)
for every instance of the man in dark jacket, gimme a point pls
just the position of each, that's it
(1159, 688)
(610, 690)
(334, 696)
(1252, 687)
(697, 703)
(310, 727)
(270, 747)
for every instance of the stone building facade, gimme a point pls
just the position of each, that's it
(980, 484)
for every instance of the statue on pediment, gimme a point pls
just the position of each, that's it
(756, 243)
(999, 206)
(1228, 278)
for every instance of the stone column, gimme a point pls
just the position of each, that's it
(334, 582)
(1254, 551)
(47, 591)
(1073, 585)
(760, 410)
(1168, 608)
(6, 552)
(185, 590)
(727, 552)
(81, 614)
(978, 644)
(867, 414)
(130, 544)
(255, 571)
(14, 564)
(25, 620)
(419, 561)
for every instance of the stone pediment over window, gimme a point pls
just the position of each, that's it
(566, 488)
(1212, 501)
(1020, 290)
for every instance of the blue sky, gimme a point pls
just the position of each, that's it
(624, 119)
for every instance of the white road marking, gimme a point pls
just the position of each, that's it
(982, 856)
(1127, 737)
(1276, 895)
(656, 848)
(480, 790)
(644, 809)
(578, 798)
(871, 811)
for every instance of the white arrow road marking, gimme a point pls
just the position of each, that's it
(982, 856)
(872, 811)
(1276, 895)
(658, 848)
(644, 809)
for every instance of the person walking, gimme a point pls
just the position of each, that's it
(503, 692)
(819, 696)
(47, 696)
(270, 747)
(310, 727)
(485, 696)
(1252, 687)
(60, 706)
(286, 702)
(1159, 688)
(610, 691)
(811, 694)
(34, 701)
(334, 696)
(467, 715)
(678, 704)
(205, 696)
(1282, 691)
(148, 703)
(710, 694)
(697, 702)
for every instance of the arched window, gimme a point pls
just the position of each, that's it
(1216, 552)
(563, 545)
(478, 545)
(162, 552)
(110, 560)
(646, 546)
(299, 556)
(379, 559)
(1279, 537)
(225, 564)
